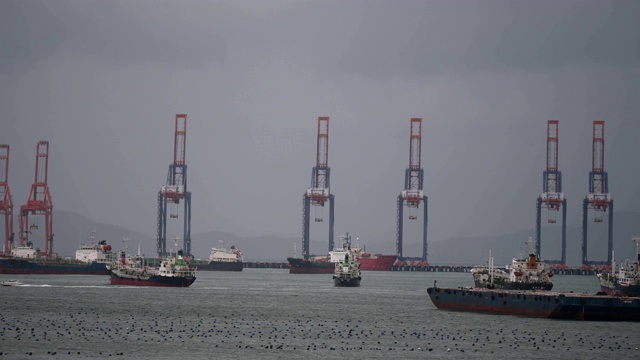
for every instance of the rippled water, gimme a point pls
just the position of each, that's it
(271, 314)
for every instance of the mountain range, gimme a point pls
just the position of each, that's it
(71, 229)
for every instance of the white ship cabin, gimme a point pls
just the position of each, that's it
(337, 255)
(217, 255)
(175, 267)
(100, 252)
(223, 254)
(27, 252)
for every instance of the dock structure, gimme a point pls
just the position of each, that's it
(422, 268)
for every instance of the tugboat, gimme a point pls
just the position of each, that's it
(627, 281)
(529, 273)
(347, 266)
(173, 271)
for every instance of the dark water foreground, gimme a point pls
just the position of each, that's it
(271, 314)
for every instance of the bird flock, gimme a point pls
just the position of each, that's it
(77, 332)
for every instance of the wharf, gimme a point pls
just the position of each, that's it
(423, 268)
(466, 268)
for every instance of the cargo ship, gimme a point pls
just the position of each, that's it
(377, 262)
(530, 273)
(346, 264)
(173, 271)
(222, 259)
(91, 259)
(314, 265)
(626, 282)
(540, 304)
(322, 265)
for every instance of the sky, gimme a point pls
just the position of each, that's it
(103, 80)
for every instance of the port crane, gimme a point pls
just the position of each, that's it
(552, 197)
(175, 190)
(413, 194)
(39, 202)
(599, 199)
(6, 202)
(319, 192)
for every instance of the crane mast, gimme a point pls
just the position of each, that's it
(6, 201)
(412, 195)
(552, 197)
(319, 192)
(39, 202)
(598, 199)
(175, 190)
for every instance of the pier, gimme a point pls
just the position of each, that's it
(466, 268)
(426, 268)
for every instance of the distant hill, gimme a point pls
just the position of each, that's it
(71, 229)
(475, 250)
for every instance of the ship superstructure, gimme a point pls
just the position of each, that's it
(625, 282)
(528, 273)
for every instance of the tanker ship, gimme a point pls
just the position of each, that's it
(347, 266)
(173, 271)
(540, 304)
(323, 265)
(91, 259)
(222, 259)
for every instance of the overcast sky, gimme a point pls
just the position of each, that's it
(103, 80)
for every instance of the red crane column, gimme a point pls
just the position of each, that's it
(6, 202)
(39, 202)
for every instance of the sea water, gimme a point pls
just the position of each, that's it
(271, 314)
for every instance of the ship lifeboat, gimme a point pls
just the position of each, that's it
(107, 248)
(519, 273)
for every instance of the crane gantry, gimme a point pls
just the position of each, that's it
(175, 190)
(413, 195)
(598, 199)
(319, 192)
(39, 201)
(552, 197)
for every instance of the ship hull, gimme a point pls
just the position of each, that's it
(378, 262)
(156, 280)
(619, 290)
(301, 266)
(50, 267)
(537, 304)
(342, 282)
(220, 266)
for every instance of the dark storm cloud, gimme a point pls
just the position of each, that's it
(29, 34)
(461, 36)
(114, 32)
